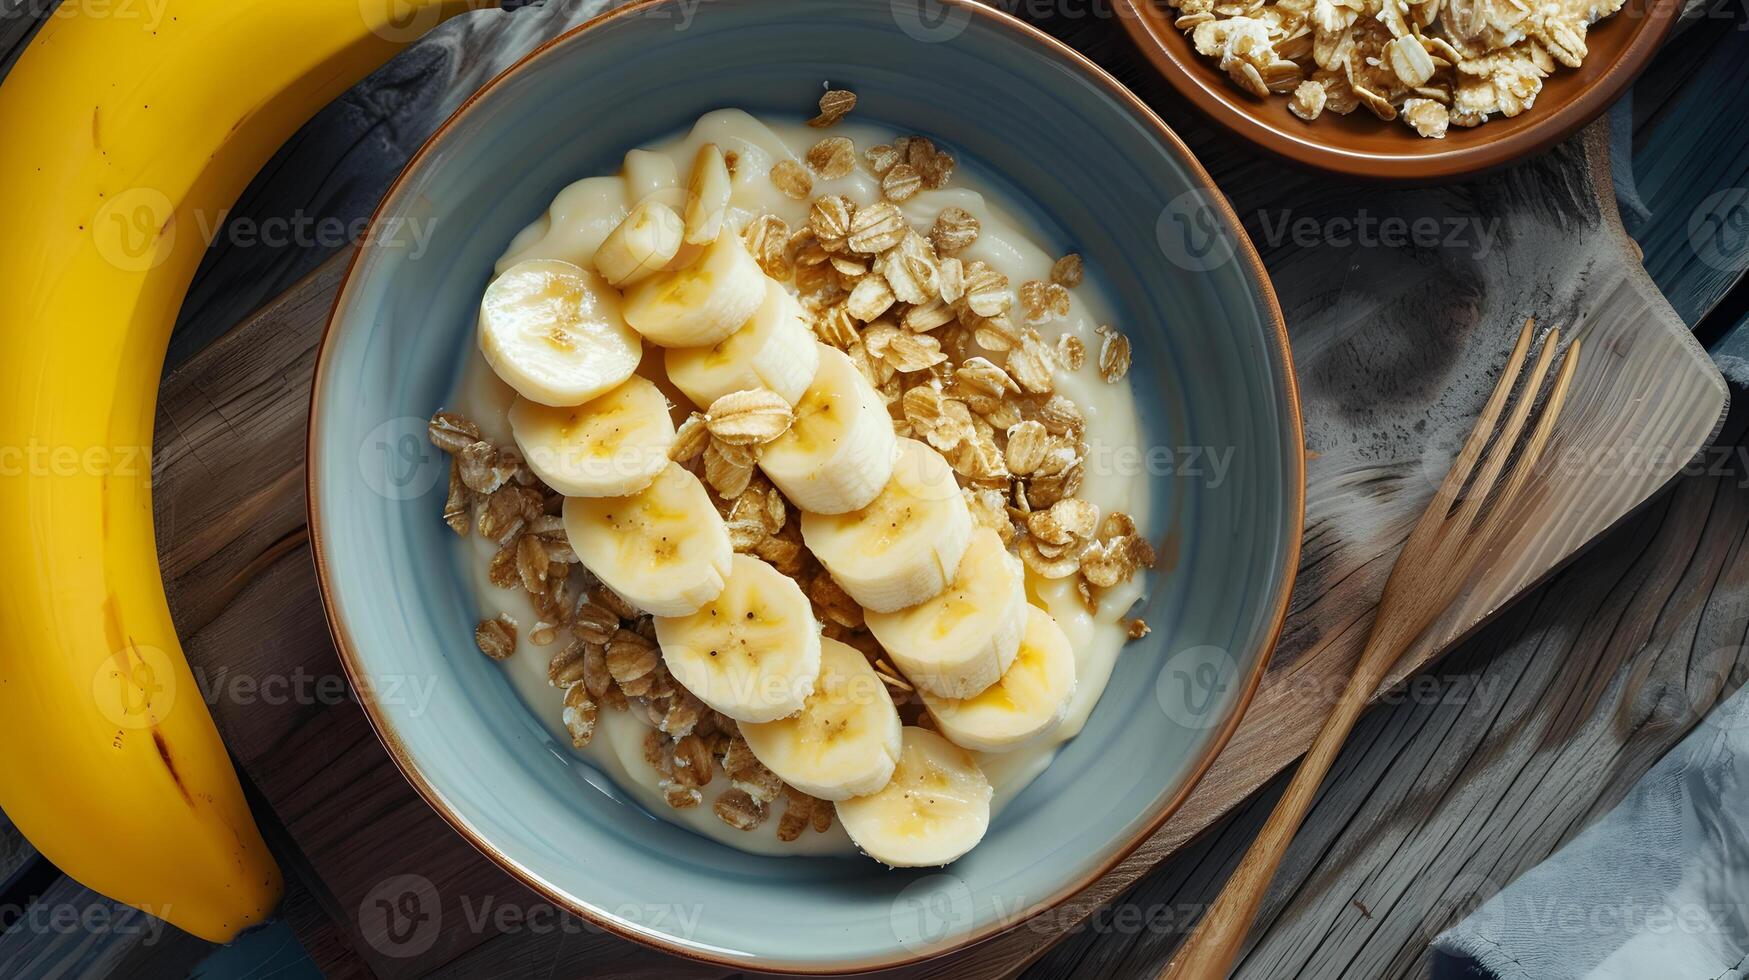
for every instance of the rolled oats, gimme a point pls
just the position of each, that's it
(632, 660)
(1032, 365)
(910, 270)
(792, 180)
(496, 637)
(1474, 58)
(986, 292)
(749, 418)
(1308, 100)
(881, 158)
(1427, 117)
(1071, 352)
(595, 624)
(1114, 354)
(832, 157)
(954, 229)
(834, 105)
(1068, 271)
(740, 810)
(876, 228)
(451, 432)
(1027, 443)
(901, 183)
(728, 468)
(690, 439)
(458, 506)
(579, 715)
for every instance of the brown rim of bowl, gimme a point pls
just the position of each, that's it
(1468, 152)
(386, 734)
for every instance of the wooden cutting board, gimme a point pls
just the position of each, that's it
(1395, 349)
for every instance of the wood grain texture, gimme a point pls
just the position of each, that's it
(1395, 348)
(230, 503)
(1482, 768)
(16, 854)
(70, 931)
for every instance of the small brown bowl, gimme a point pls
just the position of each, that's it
(1361, 145)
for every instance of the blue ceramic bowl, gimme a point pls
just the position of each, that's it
(1211, 370)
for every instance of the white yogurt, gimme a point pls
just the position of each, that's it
(583, 214)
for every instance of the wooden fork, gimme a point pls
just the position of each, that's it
(1462, 525)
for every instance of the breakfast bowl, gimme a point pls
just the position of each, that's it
(1361, 145)
(1216, 450)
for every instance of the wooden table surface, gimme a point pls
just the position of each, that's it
(1473, 773)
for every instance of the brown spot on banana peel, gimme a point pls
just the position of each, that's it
(163, 747)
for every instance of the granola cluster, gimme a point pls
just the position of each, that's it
(1433, 64)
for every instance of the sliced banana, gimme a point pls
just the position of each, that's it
(753, 652)
(609, 446)
(646, 173)
(707, 195)
(701, 304)
(845, 741)
(934, 809)
(959, 643)
(838, 454)
(663, 549)
(905, 546)
(555, 332)
(775, 349)
(643, 244)
(1029, 700)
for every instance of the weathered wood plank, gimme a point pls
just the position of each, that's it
(70, 931)
(1691, 164)
(16, 854)
(1480, 770)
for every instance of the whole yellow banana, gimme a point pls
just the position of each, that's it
(125, 129)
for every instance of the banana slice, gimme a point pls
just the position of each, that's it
(776, 350)
(701, 304)
(609, 446)
(935, 808)
(707, 195)
(960, 642)
(838, 454)
(647, 173)
(555, 333)
(1030, 699)
(753, 652)
(906, 545)
(845, 741)
(662, 549)
(643, 244)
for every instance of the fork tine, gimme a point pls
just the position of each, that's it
(1539, 436)
(1465, 461)
(1507, 439)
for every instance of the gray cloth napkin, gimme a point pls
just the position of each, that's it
(1658, 888)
